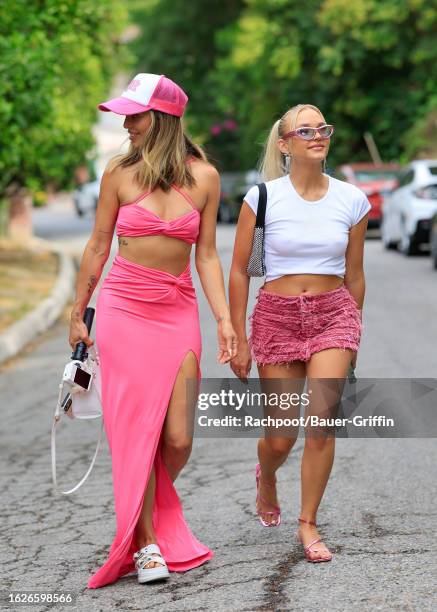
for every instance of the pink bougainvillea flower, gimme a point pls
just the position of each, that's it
(230, 125)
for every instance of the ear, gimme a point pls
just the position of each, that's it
(283, 146)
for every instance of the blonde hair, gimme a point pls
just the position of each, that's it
(164, 153)
(273, 163)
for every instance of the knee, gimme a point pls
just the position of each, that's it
(179, 445)
(278, 447)
(319, 442)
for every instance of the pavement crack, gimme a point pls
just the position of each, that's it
(275, 597)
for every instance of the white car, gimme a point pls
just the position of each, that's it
(407, 211)
(86, 194)
(85, 197)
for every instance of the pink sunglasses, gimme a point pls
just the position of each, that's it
(309, 133)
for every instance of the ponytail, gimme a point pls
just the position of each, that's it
(272, 164)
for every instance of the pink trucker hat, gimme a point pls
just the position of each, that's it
(148, 92)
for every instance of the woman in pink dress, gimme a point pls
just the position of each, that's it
(161, 197)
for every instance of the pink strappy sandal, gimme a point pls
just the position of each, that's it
(307, 548)
(276, 509)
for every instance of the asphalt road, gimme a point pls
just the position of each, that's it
(378, 514)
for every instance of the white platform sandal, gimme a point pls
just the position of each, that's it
(144, 556)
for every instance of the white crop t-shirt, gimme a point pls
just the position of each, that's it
(304, 237)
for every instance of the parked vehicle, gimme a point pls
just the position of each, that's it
(86, 194)
(433, 239)
(85, 197)
(376, 180)
(234, 186)
(228, 208)
(241, 187)
(408, 210)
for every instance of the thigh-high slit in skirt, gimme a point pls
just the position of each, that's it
(147, 321)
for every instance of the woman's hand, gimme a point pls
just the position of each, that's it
(354, 360)
(78, 333)
(227, 340)
(242, 362)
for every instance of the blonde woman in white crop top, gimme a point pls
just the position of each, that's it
(307, 321)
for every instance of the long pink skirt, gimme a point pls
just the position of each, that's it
(147, 320)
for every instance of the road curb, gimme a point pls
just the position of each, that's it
(47, 311)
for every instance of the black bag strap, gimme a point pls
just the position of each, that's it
(262, 203)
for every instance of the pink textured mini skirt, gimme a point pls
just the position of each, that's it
(286, 328)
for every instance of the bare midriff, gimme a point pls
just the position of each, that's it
(160, 252)
(297, 284)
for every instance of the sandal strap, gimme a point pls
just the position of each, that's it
(258, 477)
(147, 554)
(145, 559)
(308, 546)
(268, 512)
(267, 503)
(309, 522)
(149, 548)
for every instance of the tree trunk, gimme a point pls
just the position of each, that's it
(20, 215)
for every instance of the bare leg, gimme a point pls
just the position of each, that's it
(144, 532)
(272, 449)
(176, 449)
(318, 456)
(178, 432)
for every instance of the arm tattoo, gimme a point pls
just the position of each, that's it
(97, 251)
(92, 281)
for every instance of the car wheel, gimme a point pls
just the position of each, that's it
(408, 246)
(390, 245)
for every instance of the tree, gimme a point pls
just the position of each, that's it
(57, 60)
(178, 39)
(370, 65)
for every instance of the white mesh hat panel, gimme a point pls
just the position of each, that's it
(141, 88)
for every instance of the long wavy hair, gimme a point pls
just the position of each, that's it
(164, 152)
(273, 163)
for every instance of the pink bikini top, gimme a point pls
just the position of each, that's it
(135, 220)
